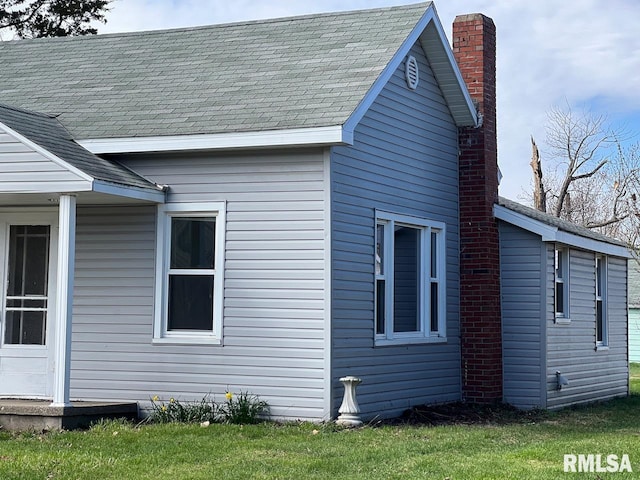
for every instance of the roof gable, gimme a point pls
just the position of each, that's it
(45, 136)
(311, 72)
(553, 229)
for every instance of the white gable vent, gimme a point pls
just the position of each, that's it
(411, 72)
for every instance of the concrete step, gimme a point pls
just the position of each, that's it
(39, 415)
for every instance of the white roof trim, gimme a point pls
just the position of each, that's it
(171, 143)
(430, 16)
(91, 184)
(549, 233)
(128, 191)
(45, 153)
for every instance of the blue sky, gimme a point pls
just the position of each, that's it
(550, 52)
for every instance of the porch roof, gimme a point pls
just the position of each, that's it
(45, 135)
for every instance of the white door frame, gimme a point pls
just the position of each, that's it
(29, 216)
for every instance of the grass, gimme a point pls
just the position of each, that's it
(521, 447)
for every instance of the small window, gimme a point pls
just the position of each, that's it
(601, 302)
(410, 278)
(562, 284)
(190, 272)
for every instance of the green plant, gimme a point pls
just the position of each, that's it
(175, 411)
(244, 408)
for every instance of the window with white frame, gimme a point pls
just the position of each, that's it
(189, 272)
(601, 300)
(562, 283)
(410, 292)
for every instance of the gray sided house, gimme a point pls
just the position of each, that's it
(263, 206)
(564, 309)
(270, 206)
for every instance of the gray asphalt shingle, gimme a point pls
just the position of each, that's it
(306, 71)
(558, 223)
(49, 134)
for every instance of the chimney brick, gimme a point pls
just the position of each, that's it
(474, 48)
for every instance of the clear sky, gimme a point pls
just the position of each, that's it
(582, 53)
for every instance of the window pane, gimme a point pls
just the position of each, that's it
(598, 277)
(434, 255)
(560, 298)
(434, 307)
(192, 243)
(190, 302)
(379, 249)
(25, 328)
(599, 321)
(380, 306)
(406, 280)
(559, 264)
(28, 260)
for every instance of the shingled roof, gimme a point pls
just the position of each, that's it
(560, 225)
(308, 71)
(49, 134)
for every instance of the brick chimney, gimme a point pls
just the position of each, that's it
(474, 48)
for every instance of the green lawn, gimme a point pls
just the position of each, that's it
(528, 447)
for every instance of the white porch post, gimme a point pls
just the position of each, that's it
(64, 299)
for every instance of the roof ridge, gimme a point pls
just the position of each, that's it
(418, 5)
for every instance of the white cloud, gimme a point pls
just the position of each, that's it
(548, 51)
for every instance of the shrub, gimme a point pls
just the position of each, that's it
(175, 411)
(243, 408)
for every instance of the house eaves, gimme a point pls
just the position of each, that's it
(86, 172)
(552, 229)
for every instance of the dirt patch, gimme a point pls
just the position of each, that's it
(461, 413)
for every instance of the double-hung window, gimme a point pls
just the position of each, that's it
(410, 288)
(189, 277)
(601, 301)
(562, 284)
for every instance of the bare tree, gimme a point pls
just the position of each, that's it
(591, 178)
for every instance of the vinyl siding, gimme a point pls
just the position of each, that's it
(22, 169)
(592, 375)
(523, 292)
(634, 334)
(274, 300)
(404, 160)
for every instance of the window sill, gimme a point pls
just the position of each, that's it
(186, 341)
(563, 321)
(383, 342)
(602, 348)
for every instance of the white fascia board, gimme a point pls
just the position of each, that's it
(430, 16)
(45, 153)
(553, 234)
(331, 135)
(547, 232)
(129, 191)
(591, 244)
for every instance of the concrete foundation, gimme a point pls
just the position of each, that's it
(39, 415)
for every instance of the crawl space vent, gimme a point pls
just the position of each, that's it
(411, 72)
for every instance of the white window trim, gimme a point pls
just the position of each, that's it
(564, 318)
(163, 243)
(604, 343)
(424, 335)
